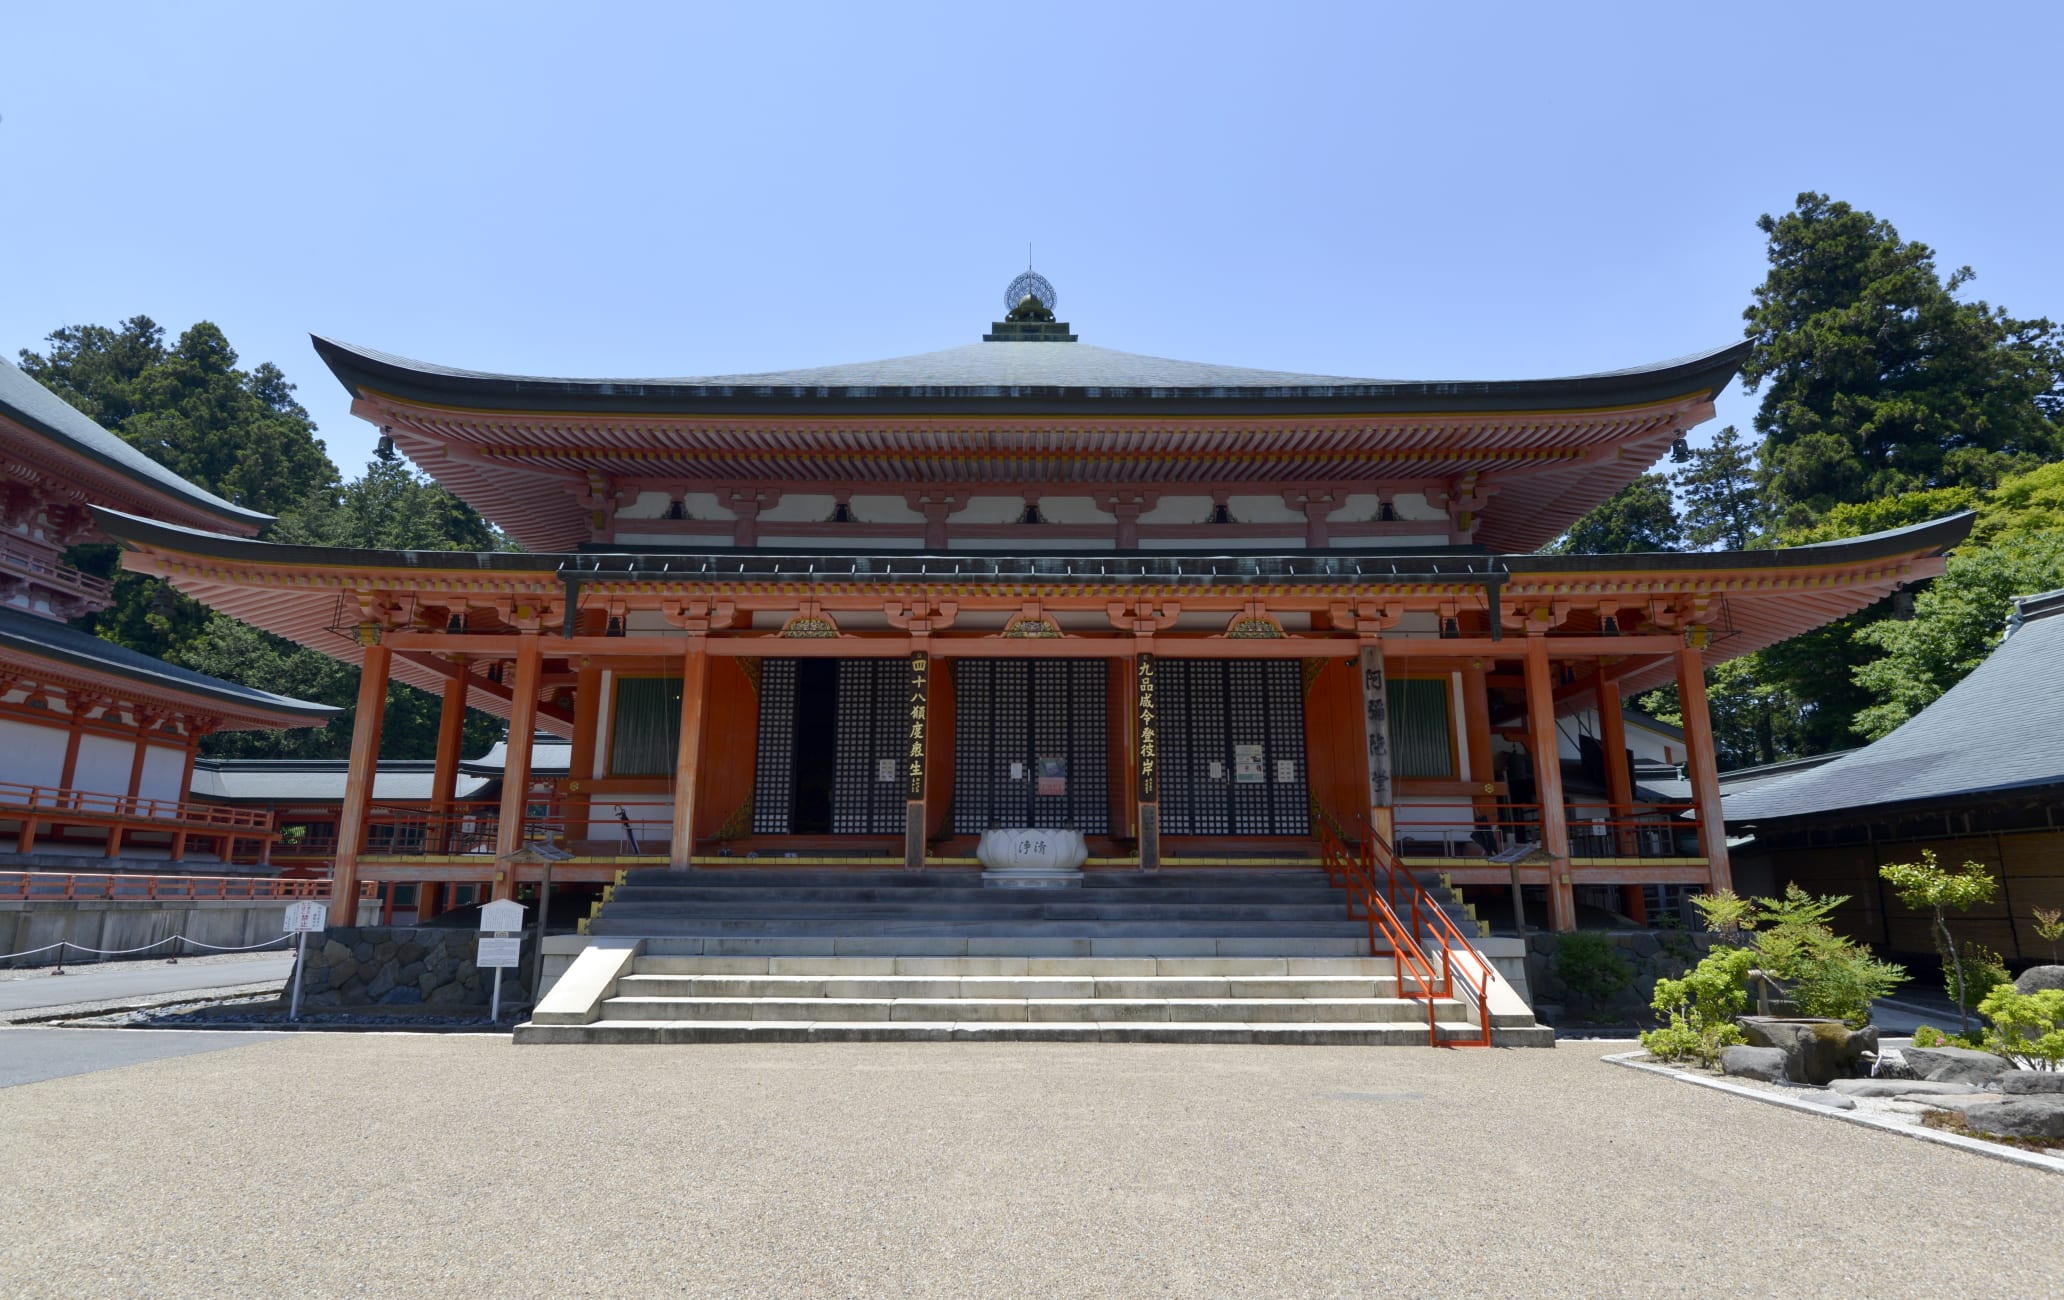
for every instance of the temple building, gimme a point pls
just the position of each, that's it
(862, 614)
(97, 741)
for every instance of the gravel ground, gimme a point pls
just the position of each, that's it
(411, 1165)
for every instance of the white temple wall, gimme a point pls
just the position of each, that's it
(32, 755)
(104, 763)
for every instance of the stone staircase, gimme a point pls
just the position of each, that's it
(762, 955)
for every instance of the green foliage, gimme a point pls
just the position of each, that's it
(1699, 1010)
(1928, 886)
(1591, 966)
(2049, 926)
(239, 434)
(1828, 975)
(1877, 379)
(1959, 619)
(2027, 1028)
(1973, 974)
(1722, 491)
(1641, 516)
(1930, 1036)
(1726, 912)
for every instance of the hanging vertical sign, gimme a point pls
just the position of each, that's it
(1149, 735)
(1376, 724)
(920, 674)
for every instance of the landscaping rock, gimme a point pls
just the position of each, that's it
(1816, 1051)
(2023, 1117)
(1764, 1063)
(2024, 1083)
(1962, 1101)
(1955, 1064)
(1902, 1088)
(1821, 1097)
(2037, 978)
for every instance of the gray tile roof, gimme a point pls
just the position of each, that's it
(548, 754)
(1023, 371)
(259, 780)
(2001, 728)
(30, 404)
(48, 639)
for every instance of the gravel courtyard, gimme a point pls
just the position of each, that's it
(408, 1165)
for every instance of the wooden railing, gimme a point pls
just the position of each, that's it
(461, 828)
(58, 885)
(53, 573)
(55, 803)
(1369, 873)
(1462, 830)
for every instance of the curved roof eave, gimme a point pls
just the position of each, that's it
(1931, 537)
(36, 408)
(63, 644)
(1021, 378)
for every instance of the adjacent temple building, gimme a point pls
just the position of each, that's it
(1201, 615)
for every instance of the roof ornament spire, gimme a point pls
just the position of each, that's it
(1029, 312)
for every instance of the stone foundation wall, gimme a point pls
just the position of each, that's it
(387, 965)
(1651, 954)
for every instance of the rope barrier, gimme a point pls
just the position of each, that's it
(63, 944)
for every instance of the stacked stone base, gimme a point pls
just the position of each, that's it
(400, 966)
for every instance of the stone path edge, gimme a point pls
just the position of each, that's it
(1998, 1151)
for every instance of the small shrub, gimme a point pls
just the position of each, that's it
(1698, 1010)
(1937, 889)
(2027, 1028)
(1982, 970)
(1591, 966)
(2049, 923)
(1829, 975)
(1930, 1036)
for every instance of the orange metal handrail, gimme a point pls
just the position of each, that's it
(42, 800)
(1438, 925)
(59, 885)
(1356, 873)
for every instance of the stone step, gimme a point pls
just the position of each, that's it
(1031, 927)
(1021, 945)
(979, 913)
(1093, 968)
(1305, 1033)
(1098, 1010)
(790, 987)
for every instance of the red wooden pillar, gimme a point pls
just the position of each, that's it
(580, 767)
(1619, 788)
(1700, 765)
(688, 759)
(358, 783)
(523, 704)
(451, 736)
(1540, 703)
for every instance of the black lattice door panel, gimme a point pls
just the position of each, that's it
(774, 769)
(867, 736)
(1232, 748)
(1009, 714)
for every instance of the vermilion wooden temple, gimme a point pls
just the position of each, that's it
(865, 612)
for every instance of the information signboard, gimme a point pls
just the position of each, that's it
(305, 915)
(499, 953)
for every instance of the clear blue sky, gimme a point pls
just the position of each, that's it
(1438, 191)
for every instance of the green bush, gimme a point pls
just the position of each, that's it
(1828, 975)
(1699, 1010)
(2027, 1028)
(1982, 969)
(1930, 1036)
(1592, 966)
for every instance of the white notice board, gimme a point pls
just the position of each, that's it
(499, 952)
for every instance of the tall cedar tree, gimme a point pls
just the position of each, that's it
(241, 435)
(1723, 499)
(1877, 379)
(1886, 401)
